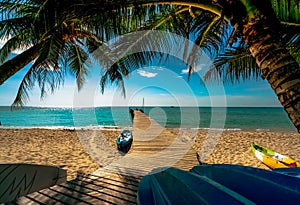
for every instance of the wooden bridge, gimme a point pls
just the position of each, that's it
(153, 146)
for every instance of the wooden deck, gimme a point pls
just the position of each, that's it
(153, 146)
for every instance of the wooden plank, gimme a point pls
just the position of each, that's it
(64, 196)
(41, 198)
(96, 194)
(108, 181)
(132, 180)
(112, 189)
(27, 200)
(126, 170)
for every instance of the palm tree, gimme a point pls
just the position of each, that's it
(260, 32)
(49, 38)
(56, 37)
(260, 29)
(254, 21)
(236, 62)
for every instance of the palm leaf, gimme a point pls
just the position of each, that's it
(15, 26)
(26, 84)
(236, 63)
(11, 45)
(47, 80)
(114, 75)
(151, 46)
(233, 65)
(77, 62)
(287, 11)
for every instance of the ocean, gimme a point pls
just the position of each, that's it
(231, 118)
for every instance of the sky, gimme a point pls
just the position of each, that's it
(160, 84)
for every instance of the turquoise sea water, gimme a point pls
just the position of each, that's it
(252, 119)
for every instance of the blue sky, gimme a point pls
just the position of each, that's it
(161, 84)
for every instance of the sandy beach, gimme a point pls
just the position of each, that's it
(63, 147)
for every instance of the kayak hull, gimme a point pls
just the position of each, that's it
(124, 140)
(218, 184)
(273, 159)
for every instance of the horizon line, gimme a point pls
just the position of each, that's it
(138, 106)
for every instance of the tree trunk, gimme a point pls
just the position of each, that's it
(277, 65)
(12, 66)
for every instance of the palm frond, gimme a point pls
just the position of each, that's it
(15, 26)
(12, 8)
(26, 84)
(287, 11)
(11, 45)
(133, 53)
(291, 38)
(234, 65)
(50, 53)
(207, 39)
(48, 80)
(113, 75)
(135, 50)
(77, 62)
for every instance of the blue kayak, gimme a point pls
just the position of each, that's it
(259, 185)
(294, 171)
(175, 186)
(124, 140)
(218, 184)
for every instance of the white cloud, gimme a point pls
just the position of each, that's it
(146, 74)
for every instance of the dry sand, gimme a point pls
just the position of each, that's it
(49, 147)
(63, 147)
(234, 147)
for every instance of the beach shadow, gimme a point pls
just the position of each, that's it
(107, 187)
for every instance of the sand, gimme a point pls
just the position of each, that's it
(48, 147)
(234, 147)
(67, 148)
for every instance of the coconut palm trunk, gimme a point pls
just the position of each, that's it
(15, 64)
(277, 65)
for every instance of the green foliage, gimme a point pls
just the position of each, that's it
(235, 63)
(61, 37)
(64, 34)
(287, 11)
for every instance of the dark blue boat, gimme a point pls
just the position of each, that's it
(218, 184)
(124, 140)
(294, 171)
